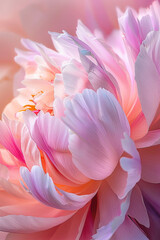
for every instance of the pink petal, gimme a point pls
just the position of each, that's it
(65, 45)
(74, 77)
(30, 150)
(42, 188)
(125, 176)
(146, 25)
(10, 191)
(51, 136)
(99, 77)
(94, 117)
(10, 132)
(147, 75)
(14, 202)
(150, 164)
(106, 199)
(88, 226)
(129, 230)
(109, 63)
(151, 198)
(4, 172)
(150, 139)
(139, 126)
(28, 224)
(59, 90)
(3, 235)
(130, 28)
(58, 108)
(16, 139)
(106, 232)
(72, 229)
(38, 235)
(137, 209)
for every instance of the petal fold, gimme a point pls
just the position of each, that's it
(42, 188)
(98, 122)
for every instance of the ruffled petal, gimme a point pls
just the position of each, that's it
(128, 173)
(42, 188)
(51, 136)
(107, 231)
(74, 77)
(98, 123)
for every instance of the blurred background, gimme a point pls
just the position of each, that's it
(34, 18)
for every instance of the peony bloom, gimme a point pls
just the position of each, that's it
(62, 186)
(80, 143)
(27, 18)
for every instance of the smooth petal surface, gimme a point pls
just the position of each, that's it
(147, 75)
(37, 235)
(72, 229)
(28, 224)
(129, 230)
(150, 163)
(150, 139)
(3, 235)
(98, 123)
(137, 209)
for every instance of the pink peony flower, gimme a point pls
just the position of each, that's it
(62, 184)
(34, 18)
(80, 144)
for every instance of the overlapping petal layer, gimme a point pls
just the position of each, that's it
(82, 146)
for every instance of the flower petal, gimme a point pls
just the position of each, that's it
(128, 173)
(98, 123)
(10, 135)
(150, 139)
(147, 75)
(137, 209)
(129, 230)
(99, 77)
(42, 188)
(28, 224)
(150, 163)
(74, 77)
(51, 136)
(77, 222)
(106, 232)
